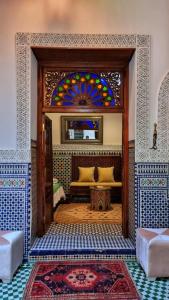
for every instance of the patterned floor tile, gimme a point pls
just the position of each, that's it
(82, 244)
(150, 290)
(73, 229)
(82, 239)
(14, 290)
(156, 290)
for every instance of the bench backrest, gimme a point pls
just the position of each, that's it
(96, 161)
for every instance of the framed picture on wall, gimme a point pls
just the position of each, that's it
(82, 129)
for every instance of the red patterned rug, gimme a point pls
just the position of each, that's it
(80, 280)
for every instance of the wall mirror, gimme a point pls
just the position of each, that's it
(82, 129)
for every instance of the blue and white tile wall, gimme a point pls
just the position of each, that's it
(15, 199)
(33, 199)
(131, 204)
(151, 194)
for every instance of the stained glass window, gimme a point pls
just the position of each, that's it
(83, 89)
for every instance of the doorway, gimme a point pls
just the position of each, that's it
(79, 151)
(72, 60)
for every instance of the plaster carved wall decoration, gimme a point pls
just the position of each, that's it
(24, 42)
(163, 117)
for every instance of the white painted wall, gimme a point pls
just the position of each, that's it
(112, 127)
(78, 16)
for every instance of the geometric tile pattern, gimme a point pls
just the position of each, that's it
(62, 169)
(80, 239)
(23, 67)
(76, 40)
(12, 183)
(152, 182)
(14, 199)
(149, 290)
(24, 42)
(154, 208)
(143, 103)
(15, 156)
(132, 216)
(33, 200)
(77, 149)
(14, 290)
(75, 229)
(12, 204)
(13, 169)
(84, 256)
(151, 186)
(81, 244)
(154, 169)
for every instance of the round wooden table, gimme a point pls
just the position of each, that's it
(100, 197)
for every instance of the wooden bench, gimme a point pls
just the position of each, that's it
(83, 188)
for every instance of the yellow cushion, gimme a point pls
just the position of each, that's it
(86, 174)
(105, 174)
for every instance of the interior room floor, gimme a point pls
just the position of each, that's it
(158, 289)
(74, 239)
(78, 213)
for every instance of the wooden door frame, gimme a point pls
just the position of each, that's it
(125, 157)
(125, 154)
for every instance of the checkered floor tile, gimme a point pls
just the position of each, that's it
(73, 229)
(14, 290)
(82, 239)
(150, 290)
(156, 290)
(82, 244)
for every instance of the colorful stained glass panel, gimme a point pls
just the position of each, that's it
(83, 89)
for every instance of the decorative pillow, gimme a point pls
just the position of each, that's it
(86, 174)
(105, 174)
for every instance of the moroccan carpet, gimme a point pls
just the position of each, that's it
(78, 213)
(80, 280)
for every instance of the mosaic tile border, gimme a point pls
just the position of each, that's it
(153, 169)
(100, 148)
(32, 258)
(15, 156)
(24, 42)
